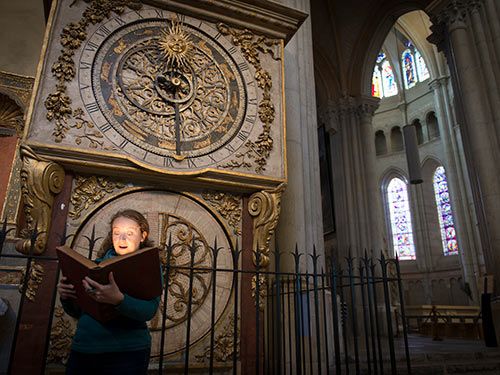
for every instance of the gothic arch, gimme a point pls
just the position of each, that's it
(371, 40)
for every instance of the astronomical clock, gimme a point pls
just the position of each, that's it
(174, 108)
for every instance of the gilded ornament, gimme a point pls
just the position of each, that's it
(176, 45)
(265, 207)
(92, 135)
(11, 117)
(255, 153)
(88, 191)
(223, 349)
(228, 206)
(34, 280)
(58, 103)
(262, 290)
(18, 87)
(183, 235)
(41, 180)
(61, 336)
(10, 276)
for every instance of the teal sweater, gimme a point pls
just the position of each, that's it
(127, 332)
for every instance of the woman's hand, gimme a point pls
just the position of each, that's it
(109, 293)
(66, 290)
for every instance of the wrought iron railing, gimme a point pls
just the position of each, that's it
(311, 315)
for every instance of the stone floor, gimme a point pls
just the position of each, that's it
(449, 356)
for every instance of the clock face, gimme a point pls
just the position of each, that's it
(174, 94)
(184, 222)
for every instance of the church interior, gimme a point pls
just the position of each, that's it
(382, 132)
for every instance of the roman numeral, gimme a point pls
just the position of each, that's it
(252, 101)
(103, 31)
(191, 163)
(105, 127)
(92, 107)
(243, 66)
(251, 119)
(159, 13)
(84, 87)
(217, 36)
(145, 155)
(140, 15)
(168, 162)
(230, 148)
(85, 65)
(243, 134)
(211, 158)
(91, 46)
(232, 50)
(123, 144)
(181, 17)
(119, 21)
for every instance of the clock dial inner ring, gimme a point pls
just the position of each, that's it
(139, 95)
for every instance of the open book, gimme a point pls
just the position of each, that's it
(137, 274)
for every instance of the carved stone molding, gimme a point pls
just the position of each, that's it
(41, 180)
(363, 107)
(264, 207)
(228, 206)
(453, 13)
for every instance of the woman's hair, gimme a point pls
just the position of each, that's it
(129, 214)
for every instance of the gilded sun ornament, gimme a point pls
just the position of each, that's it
(176, 45)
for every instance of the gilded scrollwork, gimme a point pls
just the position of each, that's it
(228, 206)
(61, 336)
(265, 207)
(35, 278)
(251, 45)
(90, 190)
(11, 117)
(224, 347)
(58, 103)
(41, 180)
(184, 236)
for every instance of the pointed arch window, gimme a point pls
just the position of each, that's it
(422, 71)
(444, 211)
(414, 67)
(383, 80)
(410, 72)
(400, 218)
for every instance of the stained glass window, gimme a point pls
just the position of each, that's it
(422, 71)
(445, 214)
(400, 216)
(383, 80)
(410, 73)
(388, 80)
(377, 83)
(380, 57)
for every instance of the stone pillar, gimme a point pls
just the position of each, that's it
(301, 217)
(456, 174)
(453, 28)
(357, 200)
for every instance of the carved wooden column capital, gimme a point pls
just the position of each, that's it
(41, 180)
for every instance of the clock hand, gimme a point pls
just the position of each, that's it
(177, 127)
